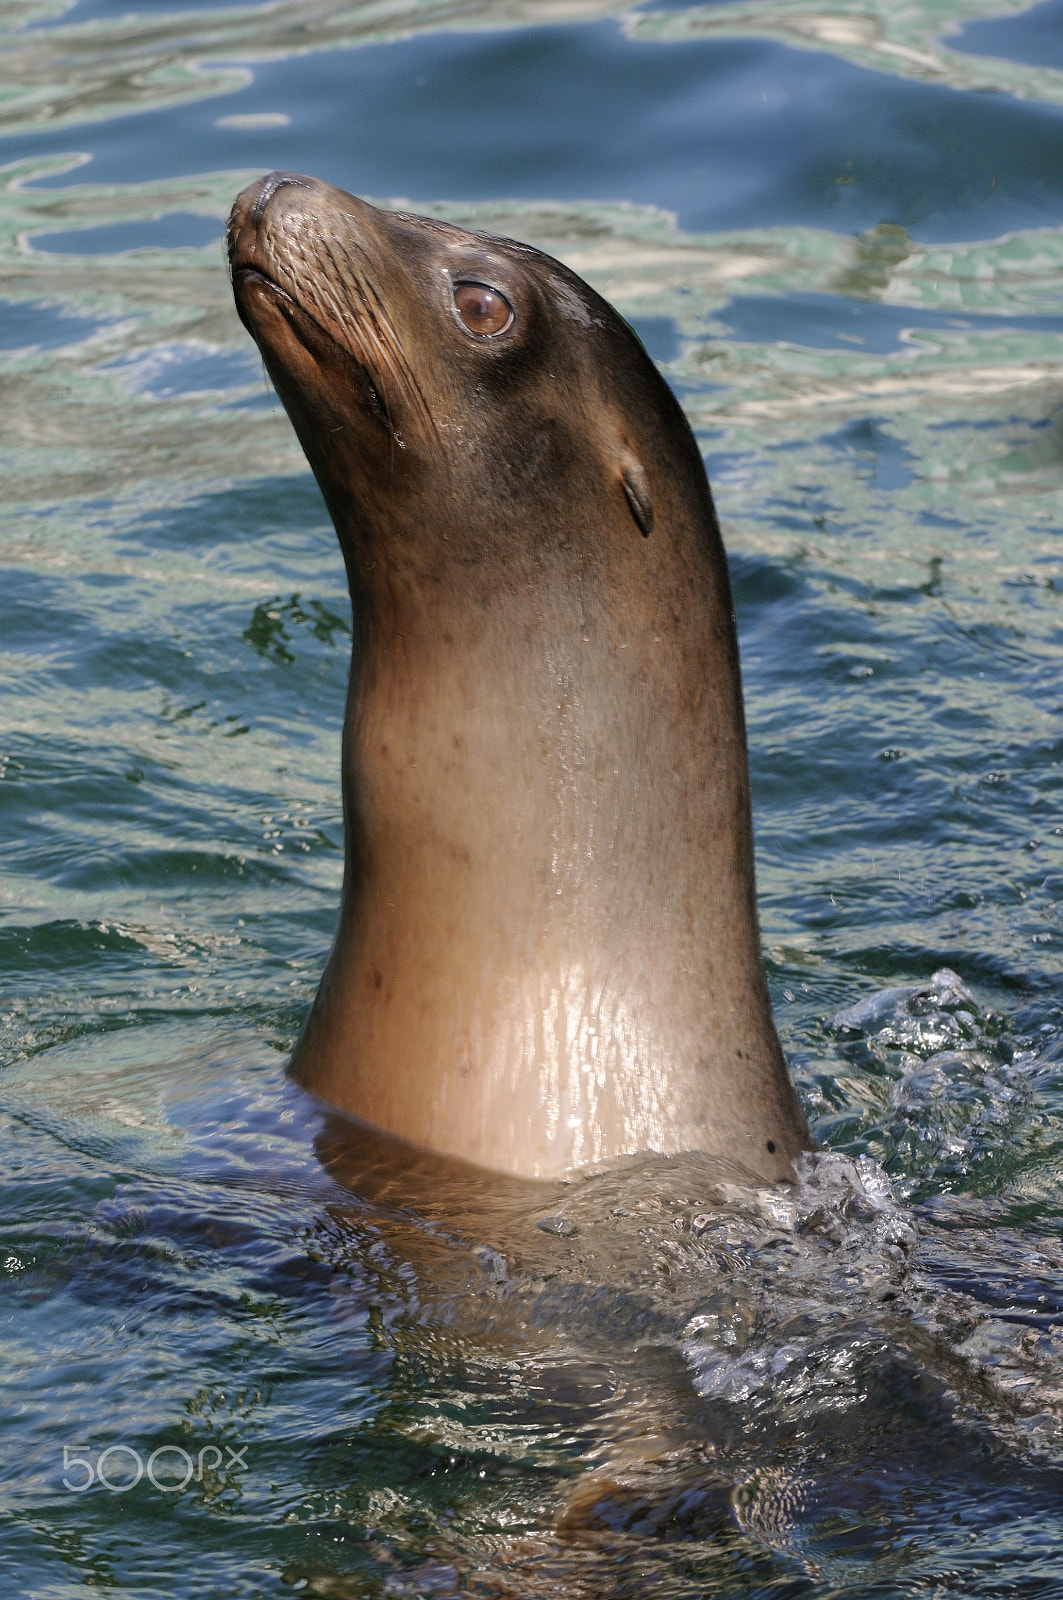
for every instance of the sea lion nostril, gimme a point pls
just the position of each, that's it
(270, 185)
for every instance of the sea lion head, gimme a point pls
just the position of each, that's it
(437, 377)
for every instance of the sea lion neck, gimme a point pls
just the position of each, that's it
(547, 952)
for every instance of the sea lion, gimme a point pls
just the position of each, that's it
(547, 953)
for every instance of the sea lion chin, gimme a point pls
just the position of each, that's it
(547, 953)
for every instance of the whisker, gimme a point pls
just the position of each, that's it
(410, 375)
(377, 317)
(364, 325)
(324, 275)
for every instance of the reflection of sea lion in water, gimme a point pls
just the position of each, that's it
(548, 951)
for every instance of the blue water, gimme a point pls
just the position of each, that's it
(841, 235)
(725, 133)
(1035, 36)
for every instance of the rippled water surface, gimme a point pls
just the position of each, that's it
(840, 231)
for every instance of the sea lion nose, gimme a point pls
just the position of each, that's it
(249, 207)
(262, 193)
(291, 197)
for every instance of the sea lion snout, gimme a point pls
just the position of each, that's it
(263, 192)
(313, 272)
(248, 211)
(282, 199)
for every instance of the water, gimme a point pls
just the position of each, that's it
(841, 233)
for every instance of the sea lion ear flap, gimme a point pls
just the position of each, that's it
(637, 489)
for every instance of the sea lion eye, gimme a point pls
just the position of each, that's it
(482, 310)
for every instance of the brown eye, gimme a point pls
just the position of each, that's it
(482, 310)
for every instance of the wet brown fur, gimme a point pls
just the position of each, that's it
(548, 950)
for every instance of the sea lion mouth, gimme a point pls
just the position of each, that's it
(244, 271)
(243, 274)
(312, 334)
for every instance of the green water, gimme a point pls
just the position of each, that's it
(840, 231)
